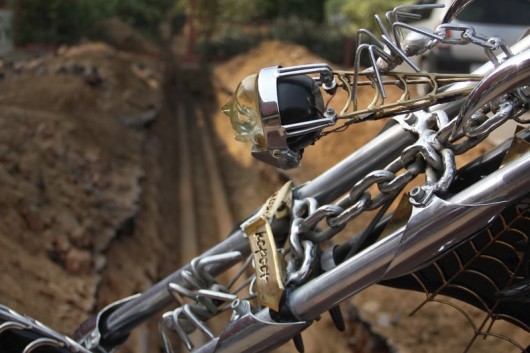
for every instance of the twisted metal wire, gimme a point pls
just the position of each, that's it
(208, 299)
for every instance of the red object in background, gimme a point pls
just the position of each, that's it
(3, 4)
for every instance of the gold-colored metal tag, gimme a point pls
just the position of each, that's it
(269, 267)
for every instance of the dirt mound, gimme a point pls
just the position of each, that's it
(268, 53)
(89, 78)
(71, 139)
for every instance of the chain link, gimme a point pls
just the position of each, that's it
(477, 128)
(448, 34)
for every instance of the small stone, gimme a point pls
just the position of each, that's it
(78, 261)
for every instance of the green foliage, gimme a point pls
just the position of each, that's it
(244, 10)
(312, 10)
(52, 21)
(229, 27)
(67, 21)
(144, 15)
(325, 41)
(320, 25)
(227, 44)
(219, 21)
(357, 14)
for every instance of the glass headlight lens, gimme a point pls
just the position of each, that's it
(280, 111)
(243, 111)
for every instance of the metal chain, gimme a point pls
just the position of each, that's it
(432, 154)
(445, 34)
(477, 128)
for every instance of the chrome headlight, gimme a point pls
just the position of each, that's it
(281, 111)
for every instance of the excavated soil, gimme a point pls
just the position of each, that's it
(87, 178)
(73, 177)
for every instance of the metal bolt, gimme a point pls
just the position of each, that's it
(410, 119)
(240, 307)
(330, 113)
(277, 153)
(417, 194)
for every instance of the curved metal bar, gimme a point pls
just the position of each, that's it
(9, 325)
(452, 107)
(252, 333)
(178, 329)
(381, 25)
(512, 73)
(42, 342)
(357, 65)
(454, 9)
(197, 322)
(40, 336)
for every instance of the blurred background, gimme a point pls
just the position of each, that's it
(107, 111)
(215, 29)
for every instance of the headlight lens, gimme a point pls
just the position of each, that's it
(280, 111)
(243, 111)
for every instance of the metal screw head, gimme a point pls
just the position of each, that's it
(410, 119)
(240, 308)
(417, 194)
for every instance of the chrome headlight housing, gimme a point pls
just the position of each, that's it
(281, 111)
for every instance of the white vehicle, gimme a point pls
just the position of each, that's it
(508, 19)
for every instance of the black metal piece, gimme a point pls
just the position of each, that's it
(467, 273)
(298, 343)
(520, 292)
(299, 101)
(338, 319)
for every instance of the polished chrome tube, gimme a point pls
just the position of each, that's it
(425, 236)
(451, 108)
(252, 334)
(454, 9)
(402, 251)
(512, 73)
